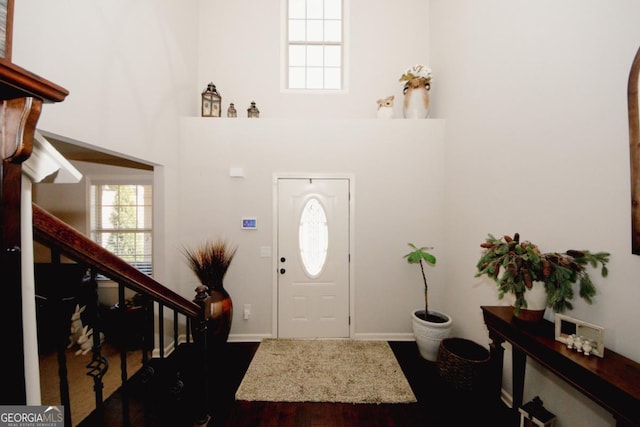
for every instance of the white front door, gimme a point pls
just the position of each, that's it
(313, 258)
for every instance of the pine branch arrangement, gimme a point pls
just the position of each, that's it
(514, 265)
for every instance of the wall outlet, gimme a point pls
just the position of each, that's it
(247, 311)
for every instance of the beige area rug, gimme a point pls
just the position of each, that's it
(345, 371)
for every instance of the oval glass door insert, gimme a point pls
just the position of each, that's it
(313, 237)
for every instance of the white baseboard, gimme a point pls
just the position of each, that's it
(248, 337)
(168, 349)
(384, 337)
(506, 398)
(361, 337)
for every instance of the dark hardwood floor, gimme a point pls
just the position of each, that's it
(437, 406)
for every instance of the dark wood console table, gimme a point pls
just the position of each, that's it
(613, 381)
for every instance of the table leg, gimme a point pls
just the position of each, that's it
(518, 369)
(496, 352)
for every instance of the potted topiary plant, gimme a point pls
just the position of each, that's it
(518, 267)
(429, 326)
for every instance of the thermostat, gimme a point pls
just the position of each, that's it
(249, 223)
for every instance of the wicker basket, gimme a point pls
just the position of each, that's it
(462, 363)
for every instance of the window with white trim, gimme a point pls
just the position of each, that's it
(121, 220)
(315, 48)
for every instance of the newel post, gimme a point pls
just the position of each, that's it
(199, 330)
(18, 119)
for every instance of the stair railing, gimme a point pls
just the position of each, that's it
(64, 240)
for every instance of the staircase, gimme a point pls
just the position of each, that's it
(170, 386)
(163, 393)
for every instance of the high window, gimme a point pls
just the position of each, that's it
(120, 220)
(315, 48)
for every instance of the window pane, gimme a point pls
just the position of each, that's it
(297, 55)
(332, 56)
(315, 78)
(313, 237)
(315, 28)
(121, 221)
(297, 9)
(332, 78)
(332, 9)
(333, 31)
(315, 9)
(297, 78)
(314, 31)
(315, 56)
(297, 30)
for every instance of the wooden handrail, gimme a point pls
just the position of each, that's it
(53, 232)
(16, 82)
(634, 151)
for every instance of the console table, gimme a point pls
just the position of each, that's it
(613, 381)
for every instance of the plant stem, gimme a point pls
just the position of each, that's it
(426, 302)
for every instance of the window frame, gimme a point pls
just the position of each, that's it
(133, 179)
(284, 53)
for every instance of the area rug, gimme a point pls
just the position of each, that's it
(344, 371)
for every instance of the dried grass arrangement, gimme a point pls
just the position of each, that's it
(210, 261)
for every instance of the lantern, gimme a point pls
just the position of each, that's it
(253, 112)
(211, 101)
(533, 414)
(231, 111)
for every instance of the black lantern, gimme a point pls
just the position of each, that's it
(253, 112)
(211, 102)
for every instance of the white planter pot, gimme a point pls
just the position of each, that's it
(536, 299)
(429, 334)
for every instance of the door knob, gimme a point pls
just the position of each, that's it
(282, 271)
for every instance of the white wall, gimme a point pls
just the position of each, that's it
(534, 95)
(240, 52)
(241, 41)
(130, 68)
(398, 170)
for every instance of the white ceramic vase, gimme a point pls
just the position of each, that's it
(429, 334)
(536, 299)
(416, 99)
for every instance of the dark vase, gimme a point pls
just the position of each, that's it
(219, 312)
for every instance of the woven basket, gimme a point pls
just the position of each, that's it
(462, 363)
